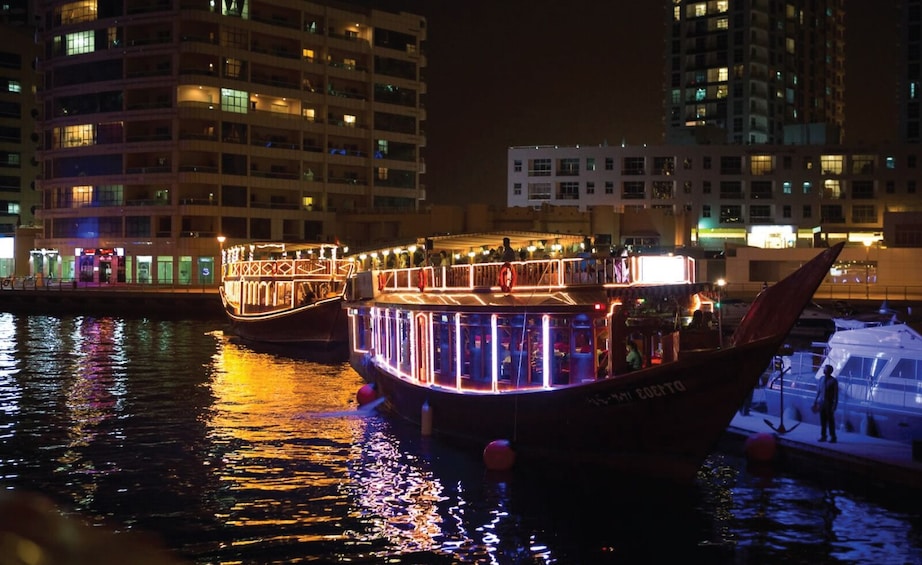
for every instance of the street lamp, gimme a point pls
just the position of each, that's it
(867, 269)
(221, 240)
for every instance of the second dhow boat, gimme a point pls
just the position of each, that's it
(287, 294)
(533, 352)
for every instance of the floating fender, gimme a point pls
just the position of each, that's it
(760, 447)
(498, 455)
(367, 394)
(425, 419)
(792, 413)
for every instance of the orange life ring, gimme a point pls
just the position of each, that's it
(421, 279)
(506, 277)
(382, 281)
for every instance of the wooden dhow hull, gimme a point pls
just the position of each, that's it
(320, 325)
(661, 421)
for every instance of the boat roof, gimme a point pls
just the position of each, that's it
(898, 336)
(462, 243)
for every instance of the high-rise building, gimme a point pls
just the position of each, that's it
(18, 133)
(755, 71)
(170, 127)
(910, 85)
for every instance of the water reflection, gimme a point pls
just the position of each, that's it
(233, 454)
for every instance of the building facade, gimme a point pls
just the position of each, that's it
(910, 61)
(766, 196)
(755, 71)
(19, 134)
(169, 128)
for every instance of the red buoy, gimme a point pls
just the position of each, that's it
(368, 393)
(498, 455)
(760, 447)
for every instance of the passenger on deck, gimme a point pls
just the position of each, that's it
(697, 321)
(508, 253)
(634, 362)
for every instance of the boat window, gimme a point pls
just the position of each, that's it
(907, 370)
(861, 370)
(403, 351)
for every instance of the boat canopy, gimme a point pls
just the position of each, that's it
(898, 336)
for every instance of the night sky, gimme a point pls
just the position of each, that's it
(541, 72)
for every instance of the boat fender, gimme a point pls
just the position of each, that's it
(506, 277)
(425, 419)
(367, 394)
(382, 281)
(760, 447)
(421, 279)
(498, 455)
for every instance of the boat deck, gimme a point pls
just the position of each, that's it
(861, 461)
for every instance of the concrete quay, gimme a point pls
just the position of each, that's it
(114, 300)
(856, 461)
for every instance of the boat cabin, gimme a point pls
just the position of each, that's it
(540, 323)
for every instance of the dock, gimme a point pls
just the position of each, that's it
(856, 461)
(114, 300)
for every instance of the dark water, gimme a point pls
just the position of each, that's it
(233, 455)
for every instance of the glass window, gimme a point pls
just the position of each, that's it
(206, 274)
(185, 270)
(80, 42)
(832, 164)
(539, 191)
(164, 269)
(234, 100)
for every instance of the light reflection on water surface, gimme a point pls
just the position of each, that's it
(238, 455)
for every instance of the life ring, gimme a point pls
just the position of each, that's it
(507, 277)
(421, 279)
(7, 283)
(382, 281)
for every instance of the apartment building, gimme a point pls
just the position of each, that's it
(19, 134)
(755, 71)
(763, 196)
(174, 127)
(910, 69)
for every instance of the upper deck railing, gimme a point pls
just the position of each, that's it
(539, 274)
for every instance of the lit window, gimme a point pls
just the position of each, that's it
(81, 196)
(349, 120)
(234, 100)
(14, 86)
(80, 42)
(832, 164)
(76, 12)
(74, 136)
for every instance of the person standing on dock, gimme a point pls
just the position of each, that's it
(826, 401)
